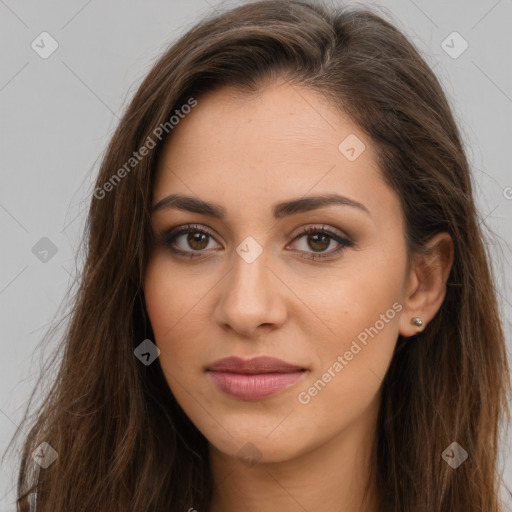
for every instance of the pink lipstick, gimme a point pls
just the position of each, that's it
(253, 379)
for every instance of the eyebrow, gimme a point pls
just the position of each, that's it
(279, 210)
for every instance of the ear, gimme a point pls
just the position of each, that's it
(426, 283)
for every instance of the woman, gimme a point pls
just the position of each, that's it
(286, 302)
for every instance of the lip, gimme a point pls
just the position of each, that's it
(253, 379)
(255, 365)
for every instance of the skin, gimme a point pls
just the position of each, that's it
(246, 153)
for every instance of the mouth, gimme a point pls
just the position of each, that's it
(253, 379)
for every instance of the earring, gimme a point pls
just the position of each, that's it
(416, 320)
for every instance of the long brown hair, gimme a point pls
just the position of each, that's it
(123, 442)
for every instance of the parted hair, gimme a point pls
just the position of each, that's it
(123, 442)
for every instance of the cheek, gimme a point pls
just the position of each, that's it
(361, 306)
(174, 302)
(161, 302)
(342, 303)
(345, 385)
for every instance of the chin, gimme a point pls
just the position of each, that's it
(267, 446)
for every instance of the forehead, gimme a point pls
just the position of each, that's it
(282, 141)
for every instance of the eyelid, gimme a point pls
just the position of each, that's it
(344, 241)
(322, 228)
(338, 236)
(168, 237)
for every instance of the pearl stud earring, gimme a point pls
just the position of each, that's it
(416, 320)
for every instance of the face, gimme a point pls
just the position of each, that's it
(246, 279)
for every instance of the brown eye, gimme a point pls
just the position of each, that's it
(319, 240)
(196, 241)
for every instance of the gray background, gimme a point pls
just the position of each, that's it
(58, 114)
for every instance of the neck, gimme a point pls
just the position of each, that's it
(332, 476)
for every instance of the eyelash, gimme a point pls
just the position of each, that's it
(168, 239)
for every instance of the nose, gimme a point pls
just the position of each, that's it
(251, 298)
